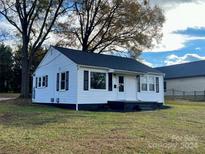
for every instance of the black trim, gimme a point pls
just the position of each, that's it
(57, 82)
(67, 80)
(138, 83)
(86, 80)
(165, 86)
(39, 82)
(157, 84)
(46, 80)
(192, 76)
(109, 81)
(36, 82)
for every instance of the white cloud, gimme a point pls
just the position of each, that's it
(180, 17)
(146, 62)
(198, 48)
(174, 59)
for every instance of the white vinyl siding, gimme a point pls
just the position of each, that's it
(53, 63)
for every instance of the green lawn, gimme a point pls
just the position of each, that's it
(27, 128)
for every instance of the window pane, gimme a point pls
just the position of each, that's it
(44, 81)
(98, 80)
(151, 87)
(63, 81)
(62, 76)
(121, 84)
(62, 85)
(144, 87)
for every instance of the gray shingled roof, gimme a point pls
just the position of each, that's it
(108, 61)
(192, 69)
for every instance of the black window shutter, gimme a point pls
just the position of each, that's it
(57, 82)
(86, 80)
(36, 82)
(46, 80)
(67, 80)
(138, 83)
(157, 84)
(165, 86)
(110, 81)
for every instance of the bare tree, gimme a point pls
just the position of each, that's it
(33, 20)
(107, 25)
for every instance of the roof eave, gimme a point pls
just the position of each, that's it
(119, 71)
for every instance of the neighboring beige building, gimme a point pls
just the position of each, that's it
(184, 78)
(186, 84)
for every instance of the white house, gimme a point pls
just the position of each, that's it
(67, 76)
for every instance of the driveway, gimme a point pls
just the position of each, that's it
(5, 99)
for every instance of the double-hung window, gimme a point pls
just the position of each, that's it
(62, 82)
(144, 83)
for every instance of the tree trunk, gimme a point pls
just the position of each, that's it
(25, 70)
(25, 76)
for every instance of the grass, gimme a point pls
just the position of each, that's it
(29, 128)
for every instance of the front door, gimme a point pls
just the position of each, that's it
(121, 88)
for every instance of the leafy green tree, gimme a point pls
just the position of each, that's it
(16, 70)
(6, 64)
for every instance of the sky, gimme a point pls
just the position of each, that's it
(183, 33)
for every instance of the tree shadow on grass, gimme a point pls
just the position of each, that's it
(20, 113)
(27, 119)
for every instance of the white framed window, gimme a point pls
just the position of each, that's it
(42, 82)
(62, 81)
(98, 80)
(151, 83)
(144, 83)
